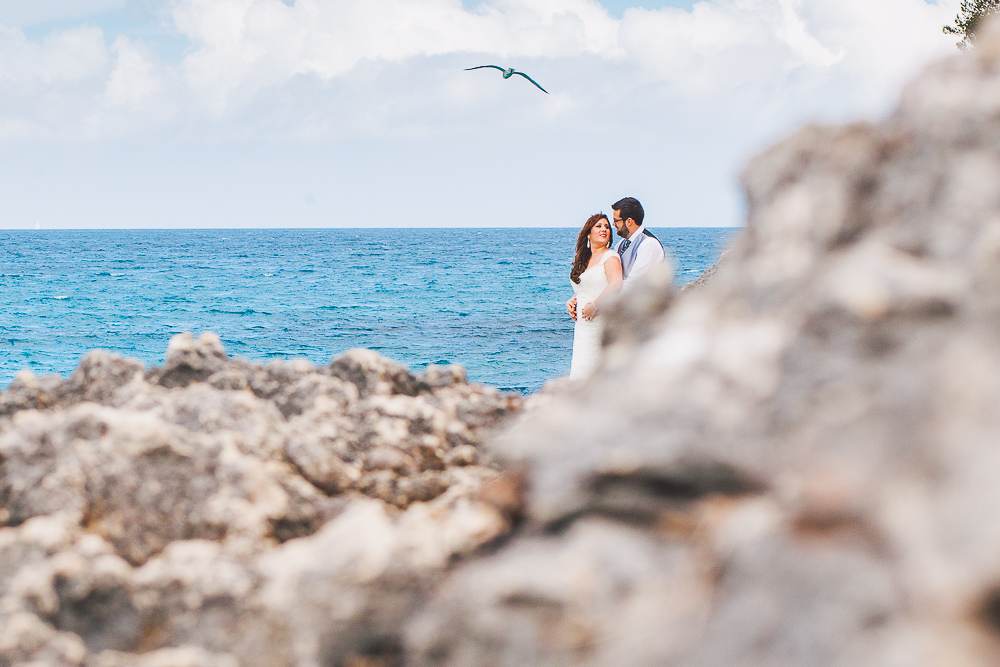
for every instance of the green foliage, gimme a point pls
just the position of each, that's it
(970, 17)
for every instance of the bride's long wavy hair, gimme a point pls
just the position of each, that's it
(583, 252)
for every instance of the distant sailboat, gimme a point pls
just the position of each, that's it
(37, 226)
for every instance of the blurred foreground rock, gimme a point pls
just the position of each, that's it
(798, 461)
(215, 512)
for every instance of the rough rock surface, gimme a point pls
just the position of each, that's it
(216, 512)
(707, 274)
(800, 464)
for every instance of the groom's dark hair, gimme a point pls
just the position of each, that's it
(629, 208)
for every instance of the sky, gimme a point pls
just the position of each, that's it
(359, 113)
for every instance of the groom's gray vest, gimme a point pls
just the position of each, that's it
(628, 252)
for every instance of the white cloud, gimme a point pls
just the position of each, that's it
(381, 83)
(49, 88)
(63, 57)
(725, 45)
(135, 79)
(30, 12)
(243, 45)
(759, 54)
(795, 34)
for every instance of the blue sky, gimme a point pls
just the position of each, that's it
(142, 18)
(272, 113)
(618, 7)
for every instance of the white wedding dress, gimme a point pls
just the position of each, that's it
(587, 333)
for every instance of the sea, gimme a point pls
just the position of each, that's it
(492, 300)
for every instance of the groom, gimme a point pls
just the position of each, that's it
(638, 248)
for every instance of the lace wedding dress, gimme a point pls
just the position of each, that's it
(587, 333)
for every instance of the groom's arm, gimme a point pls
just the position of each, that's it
(649, 254)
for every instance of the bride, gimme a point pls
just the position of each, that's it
(596, 276)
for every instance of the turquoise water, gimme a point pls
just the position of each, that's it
(489, 299)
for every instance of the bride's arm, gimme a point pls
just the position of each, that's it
(613, 271)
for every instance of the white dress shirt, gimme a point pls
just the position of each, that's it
(649, 254)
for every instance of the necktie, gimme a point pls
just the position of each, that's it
(623, 247)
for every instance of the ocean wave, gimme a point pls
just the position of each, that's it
(244, 312)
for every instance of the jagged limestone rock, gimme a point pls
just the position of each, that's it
(190, 360)
(142, 514)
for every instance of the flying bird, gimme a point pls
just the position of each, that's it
(509, 72)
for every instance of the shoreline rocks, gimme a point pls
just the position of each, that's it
(219, 512)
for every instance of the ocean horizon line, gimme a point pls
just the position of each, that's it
(357, 229)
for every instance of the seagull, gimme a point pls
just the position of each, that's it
(509, 72)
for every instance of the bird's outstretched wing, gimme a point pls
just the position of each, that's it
(532, 81)
(469, 69)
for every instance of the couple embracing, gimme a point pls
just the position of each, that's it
(600, 271)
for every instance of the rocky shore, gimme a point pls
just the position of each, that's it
(219, 512)
(794, 463)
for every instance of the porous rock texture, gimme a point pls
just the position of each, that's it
(216, 512)
(800, 463)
